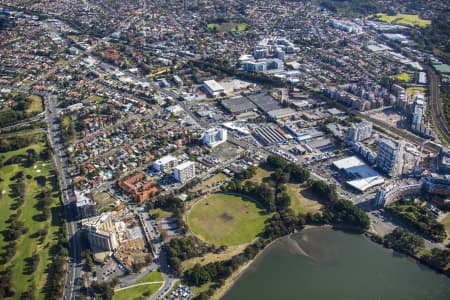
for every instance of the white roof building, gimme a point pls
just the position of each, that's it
(363, 176)
(165, 163)
(214, 137)
(213, 88)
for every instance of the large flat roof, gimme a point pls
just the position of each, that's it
(213, 85)
(265, 102)
(166, 159)
(238, 104)
(364, 184)
(365, 176)
(184, 165)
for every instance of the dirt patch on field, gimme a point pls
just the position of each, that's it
(226, 217)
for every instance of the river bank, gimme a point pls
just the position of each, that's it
(347, 264)
(235, 276)
(231, 280)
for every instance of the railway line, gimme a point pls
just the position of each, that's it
(436, 109)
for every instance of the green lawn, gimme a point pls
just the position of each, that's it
(151, 277)
(104, 201)
(302, 200)
(36, 104)
(228, 27)
(61, 61)
(446, 222)
(260, 175)
(403, 77)
(27, 244)
(66, 121)
(95, 98)
(226, 220)
(160, 213)
(402, 19)
(26, 83)
(137, 292)
(412, 90)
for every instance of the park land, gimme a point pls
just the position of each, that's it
(34, 250)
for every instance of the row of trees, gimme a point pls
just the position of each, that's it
(54, 285)
(286, 172)
(172, 204)
(16, 142)
(6, 284)
(18, 112)
(403, 241)
(43, 205)
(104, 290)
(217, 272)
(184, 248)
(419, 218)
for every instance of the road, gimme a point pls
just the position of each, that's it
(436, 109)
(74, 273)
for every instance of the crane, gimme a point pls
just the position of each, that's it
(422, 145)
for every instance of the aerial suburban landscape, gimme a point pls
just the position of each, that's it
(240, 149)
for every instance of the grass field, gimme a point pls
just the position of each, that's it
(28, 243)
(36, 104)
(104, 202)
(212, 257)
(446, 222)
(139, 291)
(160, 213)
(261, 174)
(61, 61)
(302, 200)
(151, 277)
(26, 83)
(412, 90)
(402, 19)
(66, 121)
(226, 220)
(403, 77)
(95, 98)
(228, 27)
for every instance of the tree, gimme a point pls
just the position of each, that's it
(34, 262)
(280, 176)
(198, 275)
(299, 174)
(403, 241)
(438, 258)
(283, 201)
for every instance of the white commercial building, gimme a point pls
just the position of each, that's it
(360, 131)
(165, 164)
(214, 137)
(184, 172)
(390, 157)
(213, 88)
(419, 111)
